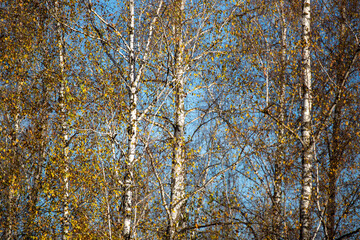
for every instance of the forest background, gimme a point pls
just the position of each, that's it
(179, 119)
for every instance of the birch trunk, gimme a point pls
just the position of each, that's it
(106, 192)
(307, 152)
(336, 151)
(280, 158)
(64, 129)
(132, 132)
(36, 188)
(65, 140)
(177, 172)
(14, 163)
(333, 173)
(10, 213)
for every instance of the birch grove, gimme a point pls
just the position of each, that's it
(179, 119)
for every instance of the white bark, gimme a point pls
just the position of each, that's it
(132, 131)
(178, 173)
(132, 83)
(280, 158)
(65, 150)
(64, 129)
(307, 154)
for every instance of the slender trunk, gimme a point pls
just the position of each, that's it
(280, 158)
(106, 191)
(64, 130)
(132, 132)
(10, 209)
(34, 193)
(10, 213)
(336, 151)
(307, 152)
(333, 173)
(35, 188)
(14, 164)
(335, 156)
(177, 172)
(65, 150)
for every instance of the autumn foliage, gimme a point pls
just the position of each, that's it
(179, 119)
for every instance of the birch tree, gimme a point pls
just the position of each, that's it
(280, 159)
(63, 124)
(13, 77)
(178, 163)
(22, 116)
(338, 143)
(307, 141)
(335, 71)
(135, 52)
(145, 119)
(188, 43)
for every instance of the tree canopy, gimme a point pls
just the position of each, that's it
(179, 119)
